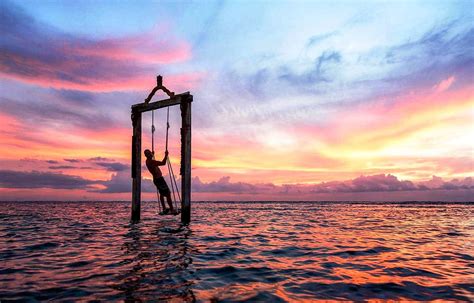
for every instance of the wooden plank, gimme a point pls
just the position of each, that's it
(136, 164)
(186, 160)
(144, 107)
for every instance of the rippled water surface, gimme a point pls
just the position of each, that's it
(237, 252)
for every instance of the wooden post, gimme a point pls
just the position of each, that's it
(186, 160)
(136, 164)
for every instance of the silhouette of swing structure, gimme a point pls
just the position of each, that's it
(184, 101)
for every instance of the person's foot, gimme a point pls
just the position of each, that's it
(165, 211)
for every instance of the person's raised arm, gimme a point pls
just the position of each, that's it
(163, 162)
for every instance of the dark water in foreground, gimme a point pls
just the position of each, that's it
(236, 252)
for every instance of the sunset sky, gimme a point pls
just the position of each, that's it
(300, 100)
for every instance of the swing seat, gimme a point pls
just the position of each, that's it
(177, 212)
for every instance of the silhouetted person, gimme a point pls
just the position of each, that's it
(159, 181)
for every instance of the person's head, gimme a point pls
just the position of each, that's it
(148, 154)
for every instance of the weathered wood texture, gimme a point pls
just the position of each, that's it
(186, 160)
(159, 85)
(136, 166)
(144, 107)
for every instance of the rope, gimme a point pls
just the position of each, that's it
(167, 127)
(153, 132)
(159, 201)
(171, 182)
(174, 186)
(174, 179)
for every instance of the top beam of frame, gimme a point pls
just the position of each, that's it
(177, 99)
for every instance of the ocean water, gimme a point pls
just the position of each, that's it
(233, 252)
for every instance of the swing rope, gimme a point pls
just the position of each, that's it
(153, 151)
(174, 184)
(168, 161)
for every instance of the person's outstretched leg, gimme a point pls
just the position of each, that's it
(162, 200)
(170, 202)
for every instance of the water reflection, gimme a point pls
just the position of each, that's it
(231, 252)
(158, 264)
(343, 251)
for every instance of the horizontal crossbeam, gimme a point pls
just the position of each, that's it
(177, 99)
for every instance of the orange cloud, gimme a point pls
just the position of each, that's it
(374, 127)
(414, 136)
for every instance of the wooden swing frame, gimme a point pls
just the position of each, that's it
(184, 101)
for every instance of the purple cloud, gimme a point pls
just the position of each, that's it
(75, 96)
(37, 179)
(62, 167)
(72, 160)
(37, 53)
(376, 183)
(113, 166)
(118, 183)
(99, 159)
(121, 182)
(50, 112)
(224, 185)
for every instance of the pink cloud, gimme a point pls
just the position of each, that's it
(374, 183)
(444, 85)
(35, 53)
(148, 47)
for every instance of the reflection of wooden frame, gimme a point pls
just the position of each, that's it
(184, 100)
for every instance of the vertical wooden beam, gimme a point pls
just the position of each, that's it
(136, 165)
(186, 160)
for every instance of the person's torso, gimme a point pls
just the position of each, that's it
(153, 169)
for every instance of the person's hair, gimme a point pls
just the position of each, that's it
(148, 152)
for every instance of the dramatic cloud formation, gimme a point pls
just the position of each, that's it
(37, 53)
(366, 184)
(47, 113)
(375, 183)
(119, 183)
(371, 98)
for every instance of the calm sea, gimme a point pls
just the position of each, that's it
(231, 252)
